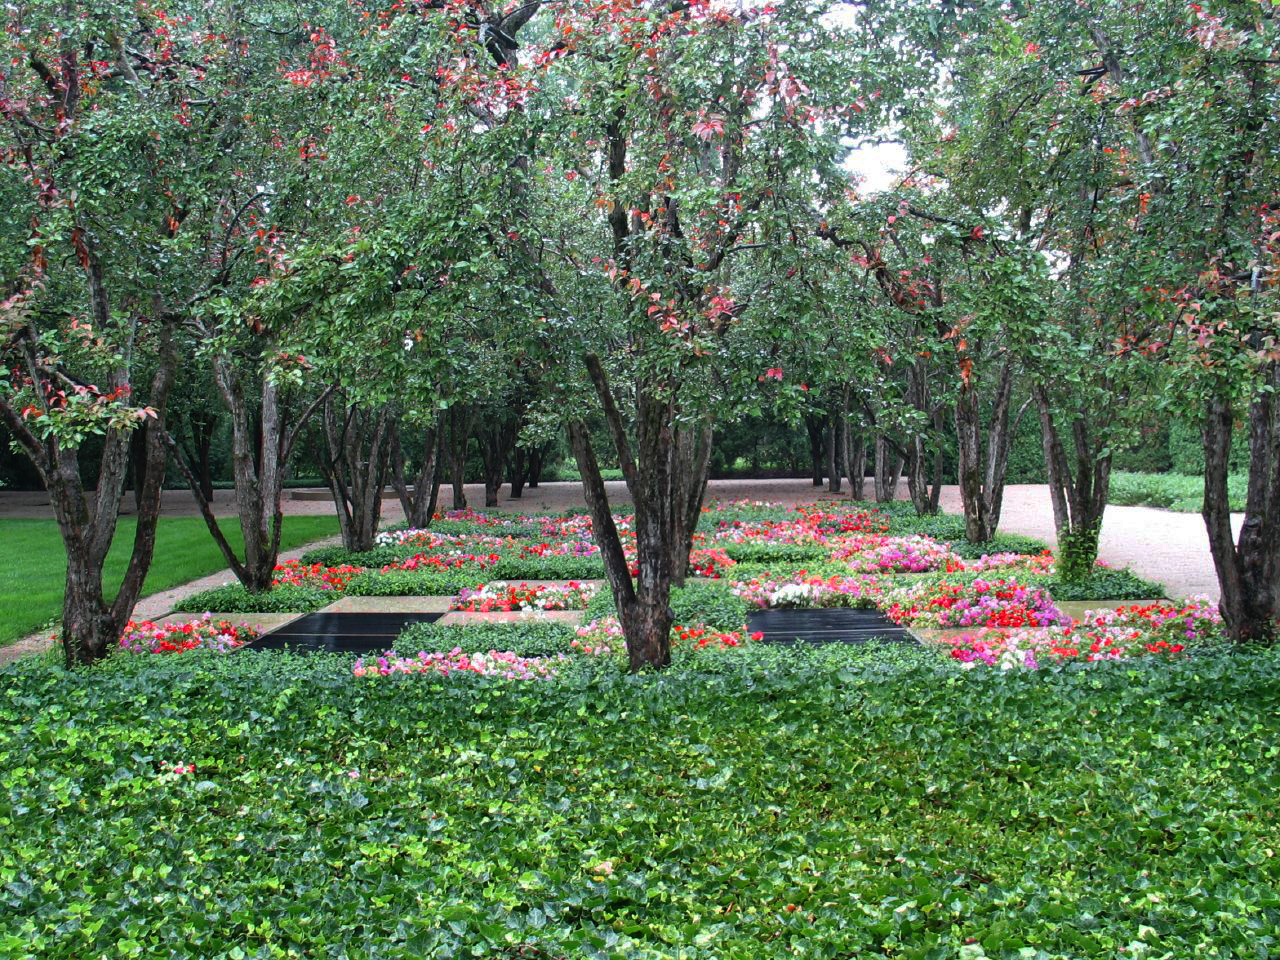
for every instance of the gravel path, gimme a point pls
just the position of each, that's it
(1161, 545)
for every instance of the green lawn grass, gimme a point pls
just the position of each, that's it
(31, 582)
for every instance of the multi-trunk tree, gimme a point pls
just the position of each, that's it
(121, 132)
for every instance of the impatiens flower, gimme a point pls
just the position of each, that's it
(146, 636)
(499, 597)
(509, 666)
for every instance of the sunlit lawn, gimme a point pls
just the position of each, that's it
(31, 579)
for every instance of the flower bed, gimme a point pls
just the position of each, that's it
(981, 603)
(802, 590)
(499, 597)
(1122, 634)
(709, 562)
(454, 560)
(604, 636)
(911, 554)
(1033, 562)
(315, 575)
(510, 666)
(146, 636)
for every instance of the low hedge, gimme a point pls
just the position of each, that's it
(776, 553)
(414, 583)
(699, 601)
(234, 598)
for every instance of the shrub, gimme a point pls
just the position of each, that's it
(234, 598)
(1002, 543)
(334, 556)
(414, 583)
(708, 602)
(776, 553)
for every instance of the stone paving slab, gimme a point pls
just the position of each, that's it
(465, 618)
(390, 605)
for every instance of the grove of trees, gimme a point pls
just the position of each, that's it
(377, 243)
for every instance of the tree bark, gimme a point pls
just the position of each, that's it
(1078, 492)
(356, 467)
(537, 459)
(667, 477)
(418, 506)
(91, 626)
(888, 467)
(982, 478)
(460, 419)
(835, 453)
(1248, 567)
(814, 427)
(519, 466)
(496, 440)
(260, 447)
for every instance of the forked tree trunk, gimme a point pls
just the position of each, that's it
(1248, 567)
(888, 467)
(667, 479)
(261, 442)
(1078, 490)
(92, 624)
(418, 505)
(460, 419)
(982, 477)
(356, 466)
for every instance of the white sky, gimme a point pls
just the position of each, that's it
(878, 164)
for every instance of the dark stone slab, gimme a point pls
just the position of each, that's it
(827, 626)
(341, 632)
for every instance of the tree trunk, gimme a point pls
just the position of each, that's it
(356, 465)
(519, 459)
(537, 459)
(496, 440)
(418, 506)
(91, 626)
(835, 453)
(856, 458)
(1248, 567)
(667, 481)
(460, 418)
(814, 426)
(260, 448)
(1078, 496)
(888, 468)
(982, 491)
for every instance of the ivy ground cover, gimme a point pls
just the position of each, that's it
(750, 803)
